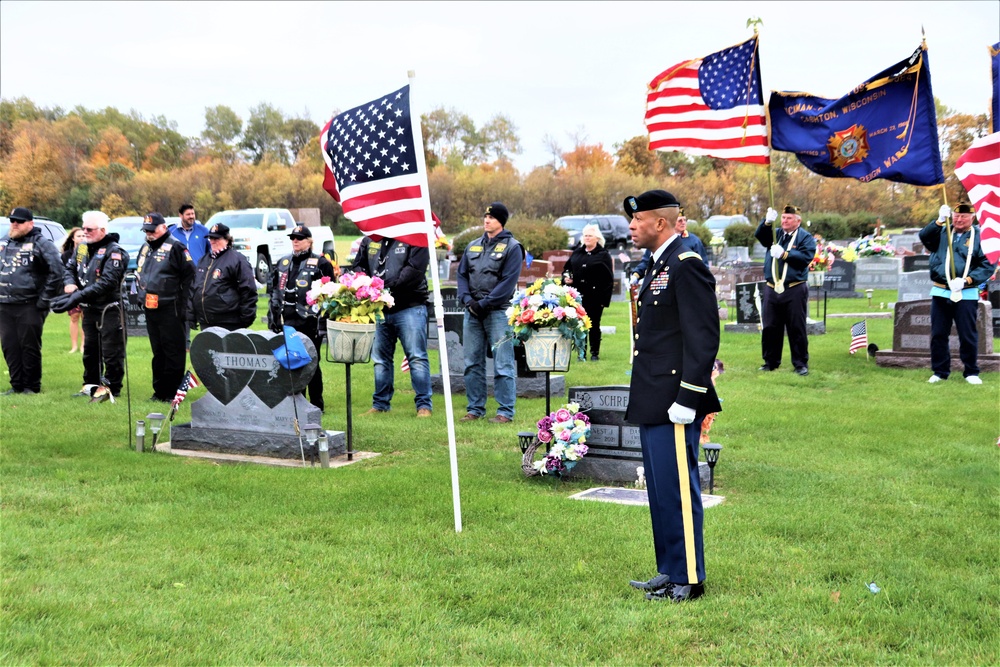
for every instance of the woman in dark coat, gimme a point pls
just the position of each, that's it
(590, 271)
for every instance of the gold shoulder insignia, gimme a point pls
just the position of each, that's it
(688, 255)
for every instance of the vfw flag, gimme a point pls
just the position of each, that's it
(373, 170)
(884, 128)
(711, 106)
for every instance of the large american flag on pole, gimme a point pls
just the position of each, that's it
(712, 106)
(372, 169)
(979, 171)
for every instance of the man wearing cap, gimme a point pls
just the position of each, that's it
(31, 274)
(487, 279)
(786, 295)
(163, 279)
(290, 280)
(676, 342)
(958, 266)
(403, 268)
(94, 280)
(191, 233)
(224, 292)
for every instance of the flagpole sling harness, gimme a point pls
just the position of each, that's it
(779, 283)
(956, 295)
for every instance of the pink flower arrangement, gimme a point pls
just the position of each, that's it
(355, 297)
(565, 433)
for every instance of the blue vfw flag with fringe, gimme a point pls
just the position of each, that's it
(884, 128)
(995, 64)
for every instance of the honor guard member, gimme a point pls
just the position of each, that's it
(403, 269)
(786, 295)
(163, 279)
(31, 274)
(690, 241)
(487, 278)
(290, 280)
(676, 342)
(94, 278)
(958, 266)
(224, 293)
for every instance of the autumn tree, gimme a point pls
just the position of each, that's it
(222, 131)
(34, 174)
(264, 135)
(634, 157)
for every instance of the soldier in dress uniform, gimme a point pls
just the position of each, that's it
(786, 295)
(163, 277)
(958, 267)
(676, 342)
(291, 279)
(94, 278)
(31, 274)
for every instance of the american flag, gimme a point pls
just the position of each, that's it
(859, 336)
(979, 171)
(404, 366)
(189, 382)
(711, 106)
(372, 169)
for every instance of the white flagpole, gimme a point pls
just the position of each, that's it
(418, 146)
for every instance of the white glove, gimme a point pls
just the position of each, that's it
(680, 415)
(633, 280)
(776, 252)
(944, 213)
(771, 215)
(956, 284)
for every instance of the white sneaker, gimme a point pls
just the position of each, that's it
(936, 378)
(973, 379)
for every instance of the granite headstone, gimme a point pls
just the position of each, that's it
(914, 286)
(839, 280)
(917, 263)
(911, 338)
(877, 273)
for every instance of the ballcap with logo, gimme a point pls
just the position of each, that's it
(300, 232)
(218, 231)
(152, 221)
(21, 214)
(649, 201)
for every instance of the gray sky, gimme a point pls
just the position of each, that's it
(564, 69)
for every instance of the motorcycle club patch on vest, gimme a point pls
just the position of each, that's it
(152, 301)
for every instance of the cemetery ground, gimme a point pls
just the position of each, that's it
(851, 476)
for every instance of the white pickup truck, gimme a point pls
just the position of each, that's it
(261, 235)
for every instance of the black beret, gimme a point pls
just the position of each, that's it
(152, 221)
(649, 201)
(964, 207)
(21, 214)
(498, 211)
(300, 232)
(794, 210)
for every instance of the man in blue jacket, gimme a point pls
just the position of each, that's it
(487, 279)
(786, 295)
(191, 233)
(958, 266)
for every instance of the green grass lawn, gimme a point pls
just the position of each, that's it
(854, 474)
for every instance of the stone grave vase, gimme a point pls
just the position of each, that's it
(816, 278)
(350, 342)
(547, 350)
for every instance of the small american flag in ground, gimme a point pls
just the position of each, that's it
(711, 106)
(859, 336)
(979, 171)
(404, 367)
(371, 169)
(189, 382)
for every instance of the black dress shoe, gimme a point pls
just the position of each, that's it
(595, 357)
(802, 370)
(765, 367)
(659, 581)
(11, 392)
(677, 592)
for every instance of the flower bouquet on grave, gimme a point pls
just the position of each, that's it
(823, 259)
(547, 304)
(354, 298)
(564, 433)
(873, 246)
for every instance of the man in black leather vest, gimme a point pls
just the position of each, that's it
(403, 269)
(94, 280)
(163, 278)
(291, 279)
(31, 273)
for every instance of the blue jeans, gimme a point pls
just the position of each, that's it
(409, 326)
(477, 335)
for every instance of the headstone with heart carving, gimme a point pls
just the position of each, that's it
(252, 402)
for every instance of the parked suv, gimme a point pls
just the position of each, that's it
(613, 227)
(718, 224)
(51, 229)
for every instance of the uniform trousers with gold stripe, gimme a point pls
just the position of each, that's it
(670, 457)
